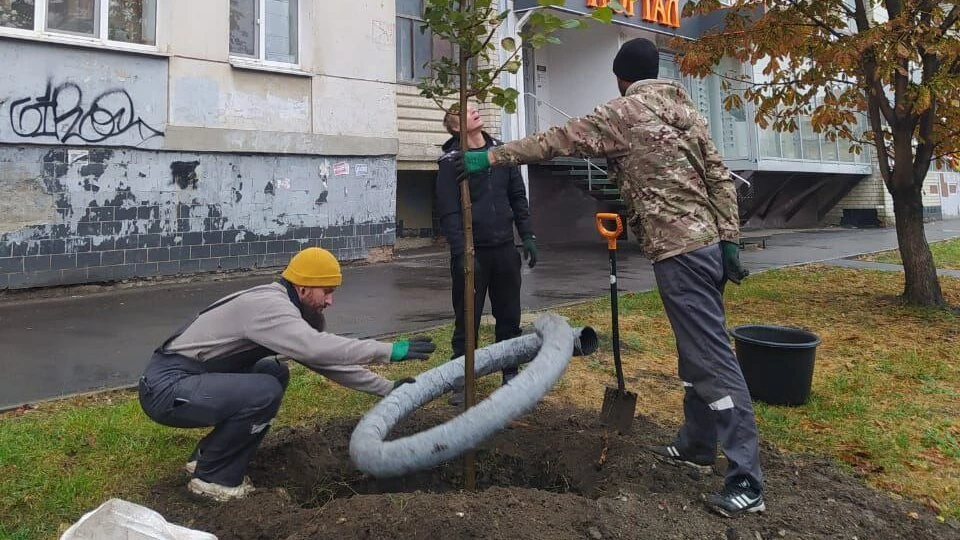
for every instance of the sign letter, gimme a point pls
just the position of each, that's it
(672, 14)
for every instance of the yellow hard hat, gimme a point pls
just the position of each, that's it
(313, 267)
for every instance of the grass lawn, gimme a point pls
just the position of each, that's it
(946, 255)
(886, 399)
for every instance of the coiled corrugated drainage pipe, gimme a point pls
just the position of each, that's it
(550, 350)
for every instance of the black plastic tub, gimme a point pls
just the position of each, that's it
(777, 362)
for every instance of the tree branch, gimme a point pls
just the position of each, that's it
(816, 21)
(486, 41)
(849, 12)
(894, 8)
(876, 97)
(928, 119)
(863, 23)
(876, 125)
(925, 145)
(498, 71)
(951, 19)
(901, 83)
(875, 90)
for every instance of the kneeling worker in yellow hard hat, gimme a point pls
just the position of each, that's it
(219, 369)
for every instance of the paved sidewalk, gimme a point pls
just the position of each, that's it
(61, 346)
(886, 267)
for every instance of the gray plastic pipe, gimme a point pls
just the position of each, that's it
(550, 348)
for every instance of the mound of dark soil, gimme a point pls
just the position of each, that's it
(556, 475)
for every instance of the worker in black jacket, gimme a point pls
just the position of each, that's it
(499, 202)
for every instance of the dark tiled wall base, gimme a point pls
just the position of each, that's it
(54, 262)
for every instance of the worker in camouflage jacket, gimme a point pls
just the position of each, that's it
(683, 206)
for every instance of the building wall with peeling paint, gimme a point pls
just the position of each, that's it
(74, 215)
(118, 165)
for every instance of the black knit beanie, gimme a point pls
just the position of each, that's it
(637, 60)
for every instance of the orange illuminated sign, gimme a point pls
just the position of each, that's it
(665, 12)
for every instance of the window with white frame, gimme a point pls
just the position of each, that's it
(120, 21)
(416, 47)
(265, 30)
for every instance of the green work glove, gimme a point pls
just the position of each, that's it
(475, 161)
(400, 382)
(530, 250)
(416, 348)
(732, 269)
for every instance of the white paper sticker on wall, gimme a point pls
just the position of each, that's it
(361, 170)
(74, 156)
(341, 168)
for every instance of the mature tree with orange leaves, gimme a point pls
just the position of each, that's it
(894, 62)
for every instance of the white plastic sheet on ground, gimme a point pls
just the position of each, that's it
(117, 519)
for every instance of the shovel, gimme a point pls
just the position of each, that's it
(618, 403)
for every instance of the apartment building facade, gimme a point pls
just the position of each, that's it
(145, 138)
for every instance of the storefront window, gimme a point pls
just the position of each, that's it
(769, 143)
(845, 154)
(734, 139)
(790, 144)
(811, 142)
(828, 149)
(668, 69)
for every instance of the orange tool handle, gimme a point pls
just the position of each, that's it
(611, 236)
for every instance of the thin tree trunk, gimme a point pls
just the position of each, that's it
(922, 286)
(469, 377)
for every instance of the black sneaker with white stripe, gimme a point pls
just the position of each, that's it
(671, 455)
(737, 499)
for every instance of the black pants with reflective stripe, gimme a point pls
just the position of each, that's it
(499, 276)
(716, 402)
(179, 392)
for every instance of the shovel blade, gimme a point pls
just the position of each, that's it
(618, 409)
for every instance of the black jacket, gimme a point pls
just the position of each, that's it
(499, 202)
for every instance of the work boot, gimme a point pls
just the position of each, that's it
(218, 492)
(737, 499)
(191, 466)
(671, 455)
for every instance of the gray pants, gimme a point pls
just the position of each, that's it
(716, 403)
(179, 392)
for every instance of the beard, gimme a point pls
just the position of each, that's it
(314, 318)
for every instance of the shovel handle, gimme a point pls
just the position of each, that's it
(610, 235)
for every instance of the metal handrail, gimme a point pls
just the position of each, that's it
(741, 179)
(590, 164)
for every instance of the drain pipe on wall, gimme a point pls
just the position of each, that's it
(518, 126)
(551, 348)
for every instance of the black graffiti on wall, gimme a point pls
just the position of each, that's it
(59, 112)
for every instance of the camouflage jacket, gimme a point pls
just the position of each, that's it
(658, 149)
